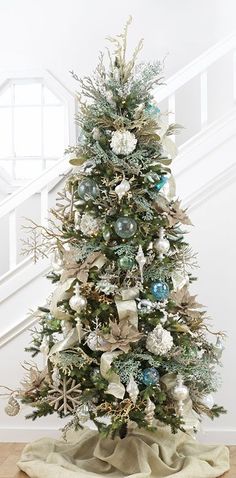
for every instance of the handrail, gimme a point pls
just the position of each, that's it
(36, 185)
(195, 67)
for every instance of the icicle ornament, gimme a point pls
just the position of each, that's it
(141, 260)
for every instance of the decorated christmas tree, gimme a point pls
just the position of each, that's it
(125, 342)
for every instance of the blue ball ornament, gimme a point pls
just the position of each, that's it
(88, 189)
(163, 180)
(125, 227)
(150, 376)
(160, 290)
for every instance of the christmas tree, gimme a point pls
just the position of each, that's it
(124, 340)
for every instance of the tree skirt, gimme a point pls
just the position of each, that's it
(141, 454)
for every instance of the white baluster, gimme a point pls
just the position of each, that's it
(44, 206)
(204, 105)
(12, 239)
(171, 109)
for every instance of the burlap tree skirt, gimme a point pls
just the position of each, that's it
(141, 454)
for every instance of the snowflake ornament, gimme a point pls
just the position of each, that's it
(65, 396)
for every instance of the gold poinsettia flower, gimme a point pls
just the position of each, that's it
(120, 336)
(187, 305)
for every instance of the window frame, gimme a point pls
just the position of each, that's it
(66, 97)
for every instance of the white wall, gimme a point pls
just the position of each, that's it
(67, 34)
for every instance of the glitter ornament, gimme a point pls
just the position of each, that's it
(88, 189)
(132, 389)
(162, 181)
(150, 376)
(145, 305)
(89, 225)
(219, 347)
(160, 290)
(149, 412)
(122, 188)
(125, 262)
(141, 260)
(12, 408)
(159, 341)
(180, 393)
(94, 341)
(77, 302)
(123, 142)
(161, 244)
(125, 227)
(208, 401)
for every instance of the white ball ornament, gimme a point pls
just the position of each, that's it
(123, 142)
(207, 401)
(159, 341)
(122, 188)
(161, 245)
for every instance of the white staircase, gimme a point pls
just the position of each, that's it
(22, 285)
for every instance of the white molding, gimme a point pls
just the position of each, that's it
(204, 142)
(17, 329)
(21, 277)
(27, 434)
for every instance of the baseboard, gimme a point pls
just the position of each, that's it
(19, 435)
(225, 436)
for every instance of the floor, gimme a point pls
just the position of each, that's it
(10, 452)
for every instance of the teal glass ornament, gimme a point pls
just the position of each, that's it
(88, 189)
(125, 227)
(150, 376)
(126, 262)
(160, 290)
(163, 180)
(152, 109)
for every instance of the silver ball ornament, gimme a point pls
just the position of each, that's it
(77, 302)
(94, 341)
(161, 245)
(208, 401)
(180, 393)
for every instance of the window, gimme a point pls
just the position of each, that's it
(33, 127)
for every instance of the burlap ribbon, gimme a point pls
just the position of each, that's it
(72, 338)
(126, 305)
(115, 386)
